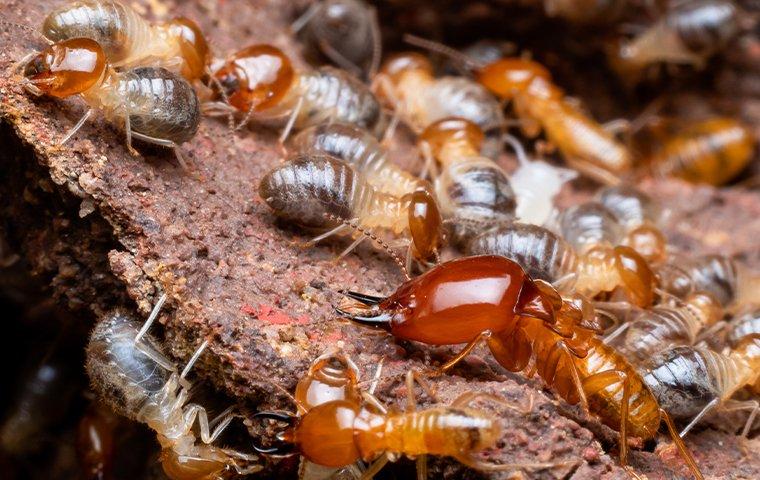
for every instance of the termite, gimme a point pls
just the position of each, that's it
(132, 375)
(472, 190)
(129, 40)
(324, 193)
(691, 381)
(362, 151)
(711, 151)
(408, 83)
(689, 33)
(95, 442)
(654, 329)
(638, 214)
(492, 294)
(605, 265)
(347, 32)
(151, 104)
(260, 82)
(342, 432)
(540, 105)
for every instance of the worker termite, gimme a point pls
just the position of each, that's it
(132, 375)
(639, 215)
(346, 32)
(260, 82)
(654, 329)
(492, 293)
(341, 432)
(418, 98)
(689, 33)
(690, 381)
(129, 40)
(711, 151)
(604, 264)
(472, 190)
(322, 192)
(540, 105)
(151, 104)
(361, 150)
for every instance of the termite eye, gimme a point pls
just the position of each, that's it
(193, 45)
(263, 76)
(67, 68)
(425, 225)
(452, 129)
(396, 66)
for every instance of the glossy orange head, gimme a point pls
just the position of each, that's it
(256, 78)
(509, 76)
(649, 242)
(425, 226)
(193, 46)
(400, 64)
(638, 279)
(325, 434)
(705, 307)
(448, 130)
(455, 301)
(66, 68)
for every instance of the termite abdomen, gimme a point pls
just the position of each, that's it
(311, 190)
(124, 376)
(162, 104)
(543, 254)
(704, 26)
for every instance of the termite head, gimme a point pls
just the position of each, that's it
(66, 68)
(193, 46)
(211, 464)
(425, 226)
(638, 280)
(455, 301)
(255, 78)
(648, 241)
(397, 68)
(509, 76)
(332, 376)
(449, 132)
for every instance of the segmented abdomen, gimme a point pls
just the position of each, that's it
(658, 328)
(630, 206)
(121, 31)
(161, 104)
(461, 97)
(543, 254)
(475, 193)
(590, 224)
(123, 375)
(332, 95)
(308, 190)
(362, 151)
(704, 26)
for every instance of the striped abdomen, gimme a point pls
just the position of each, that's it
(543, 254)
(590, 224)
(629, 205)
(463, 98)
(361, 150)
(712, 151)
(123, 375)
(474, 193)
(704, 26)
(161, 104)
(716, 274)
(332, 95)
(685, 379)
(120, 30)
(658, 328)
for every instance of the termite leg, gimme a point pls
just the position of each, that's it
(482, 336)
(574, 373)
(305, 18)
(477, 464)
(351, 247)
(164, 143)
(76, 127)
(291, 121)
(754, 405)
(415, 376)
(128, 132)
(146, 349)
(682, 449)
(468, 398)
(705, 410)
(375, 376)
(375, 467)
(597, 173)
(377, 43)
(340, 59)
(617, 126)
(335, 231)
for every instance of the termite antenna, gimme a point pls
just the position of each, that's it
(522, 157)
(368, 233)
(452, 53)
